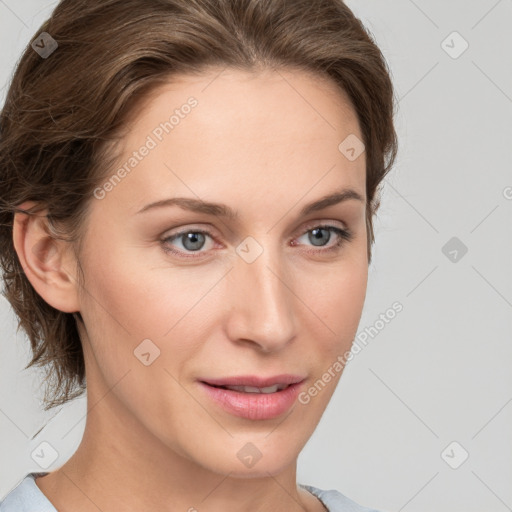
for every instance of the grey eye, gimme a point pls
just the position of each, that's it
(319, 235)
(193, 240)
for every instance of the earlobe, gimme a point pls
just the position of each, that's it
(46, 261)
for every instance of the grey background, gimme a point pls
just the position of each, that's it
(438, 372)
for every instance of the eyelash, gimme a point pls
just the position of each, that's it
(344, 236)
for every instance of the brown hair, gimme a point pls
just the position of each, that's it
(62, 113)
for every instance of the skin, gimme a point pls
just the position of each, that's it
(265, 144)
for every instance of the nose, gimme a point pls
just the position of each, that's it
(261, 302)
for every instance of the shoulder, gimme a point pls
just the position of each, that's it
(26, 497)
(334, 501)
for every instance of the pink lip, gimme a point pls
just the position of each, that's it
(254, 406)
(255, 380)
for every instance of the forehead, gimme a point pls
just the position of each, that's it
(246, 132)
(258, 88)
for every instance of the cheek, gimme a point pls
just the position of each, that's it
(129, 301)
(348, 295)
(338, 303)
(130, 298)
(138, 295)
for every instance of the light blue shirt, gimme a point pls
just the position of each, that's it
(27, 497)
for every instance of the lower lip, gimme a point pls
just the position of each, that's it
(254, 406)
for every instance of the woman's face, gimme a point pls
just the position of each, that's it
(176, 296)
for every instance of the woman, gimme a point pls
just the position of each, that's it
(188, 190)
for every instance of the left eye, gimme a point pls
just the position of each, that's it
(319, 236)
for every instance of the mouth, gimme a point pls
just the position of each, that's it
(252, 397)
(252, 389)
(254, 383)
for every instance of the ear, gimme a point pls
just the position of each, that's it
(48, 263)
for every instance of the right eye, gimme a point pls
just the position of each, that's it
(192, 240)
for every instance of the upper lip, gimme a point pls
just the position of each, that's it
(254, 380)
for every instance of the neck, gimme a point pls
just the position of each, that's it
(119, 464)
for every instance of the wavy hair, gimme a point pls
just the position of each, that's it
(62, 114)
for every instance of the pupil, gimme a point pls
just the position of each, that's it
(193, 239)
(317, 237)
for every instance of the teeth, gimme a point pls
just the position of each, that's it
(251, 389)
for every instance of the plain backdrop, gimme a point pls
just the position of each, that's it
(422, 416)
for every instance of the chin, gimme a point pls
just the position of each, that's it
(260, 470)
(246, 457)
(259, 458)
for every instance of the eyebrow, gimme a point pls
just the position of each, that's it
(222, 210)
